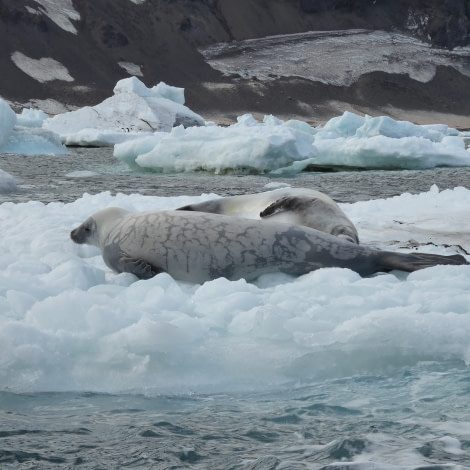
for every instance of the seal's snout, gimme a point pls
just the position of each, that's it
(74, 235)
(84, 233)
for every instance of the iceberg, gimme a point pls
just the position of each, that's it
(383, 143)
(274, 146)
(34, 141)
(133, 111)
(246, 147)
(7, 122)
(23, 134)
(7, 182)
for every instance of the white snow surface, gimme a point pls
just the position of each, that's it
(43, 70)
(133, 110)
(68, 323)
(278, 146)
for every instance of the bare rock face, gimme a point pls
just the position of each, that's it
(74, 51)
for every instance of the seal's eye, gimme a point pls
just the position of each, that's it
(87, 229)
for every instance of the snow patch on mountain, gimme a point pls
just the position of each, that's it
(42, 70)
(61, 12)
(131, 68)
(336, 58)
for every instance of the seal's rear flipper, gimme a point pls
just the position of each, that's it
(410, 262)
(141, 268)
(286, 203)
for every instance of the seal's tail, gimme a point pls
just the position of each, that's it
(410, 262)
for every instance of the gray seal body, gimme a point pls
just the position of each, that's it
(298, 206)
(198, 247)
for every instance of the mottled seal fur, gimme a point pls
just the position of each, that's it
(198, 247)
(298, 206)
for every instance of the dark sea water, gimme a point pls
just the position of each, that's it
(400, 417)
(403, 420)
(50, 179)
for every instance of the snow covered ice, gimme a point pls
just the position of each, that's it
(69, 323)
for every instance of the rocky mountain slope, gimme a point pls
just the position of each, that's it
(74, 51)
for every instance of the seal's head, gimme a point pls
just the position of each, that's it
(89, 232)
(85, 233)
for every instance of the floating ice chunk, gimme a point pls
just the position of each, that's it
(380, 152)
(7, 122)
(276, 146)
(23, 134)
(68, 323)
(7, 182)
(34, 141)
(134, 109)
(247, 146)
(365, 142)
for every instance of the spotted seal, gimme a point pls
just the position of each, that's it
(198, 247)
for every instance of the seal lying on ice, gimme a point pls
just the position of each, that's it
(198, 247)
(299, 206)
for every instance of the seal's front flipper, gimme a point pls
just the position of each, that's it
(141, 268)
(286, 203)
(206, 206)
(413, 261)
(189, 207)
